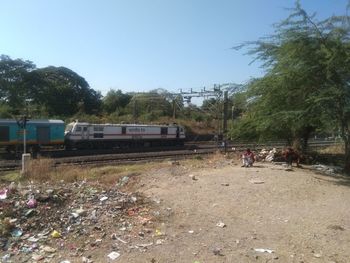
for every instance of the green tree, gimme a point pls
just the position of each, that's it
(63, 92)
(115, 101)
(13, 82)
(150, 103)
(307, 77)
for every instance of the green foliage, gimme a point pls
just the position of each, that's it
(13, 82)
(5, 111)
(152, 104)
(63, 92)
(51, 91)
(307, 81)
(115, 101)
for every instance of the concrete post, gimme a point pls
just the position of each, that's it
(25, 162)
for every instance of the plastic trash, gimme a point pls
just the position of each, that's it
(6, 258)
(221, 224)
(49, 249)
(263, 250)
(256, 181)
(32, 203)
(16, 232)
(103, 198)
(3, 194)
(123, 181)
(55, 234)
(158, 232)
(113, 255)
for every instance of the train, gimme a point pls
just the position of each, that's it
(85, 135)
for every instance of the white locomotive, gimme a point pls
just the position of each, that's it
(83, 135)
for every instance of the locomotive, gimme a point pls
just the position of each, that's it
(84, 135)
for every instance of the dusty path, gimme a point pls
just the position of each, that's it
(301, 215)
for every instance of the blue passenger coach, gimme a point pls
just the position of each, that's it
(38, 133)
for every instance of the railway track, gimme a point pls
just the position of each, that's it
(115, 159)
(112, 157)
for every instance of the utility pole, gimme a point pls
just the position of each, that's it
(217, 92)
(22, 123)
(135, 110)
(225, 119)
(174, 109)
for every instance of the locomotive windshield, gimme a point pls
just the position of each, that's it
(69, 128)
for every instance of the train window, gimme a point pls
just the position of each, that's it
(4, 133)
(68, 128)
(85, 129)
(123, 130)
(164, 131)
(78, 129)
(98, 128)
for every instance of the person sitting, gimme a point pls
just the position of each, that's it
(291, 155)
(248, 158)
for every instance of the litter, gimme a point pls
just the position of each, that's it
(159, 241)
(121, 240)
(55, 234)
(263, 250)
(158, 232)
(16, 232)
(256, 181)
(221, 224)
(144, 245)
(123, 181)
(32, 203)
(49, 249)
(193, 177)
(113, 255)
(3, 194)
(104, 198)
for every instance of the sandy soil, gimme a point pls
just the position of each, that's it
(300, 215)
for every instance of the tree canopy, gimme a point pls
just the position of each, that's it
(306, 85)
(54, 91)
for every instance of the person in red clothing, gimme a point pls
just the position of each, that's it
(291, 155)
(248, 158)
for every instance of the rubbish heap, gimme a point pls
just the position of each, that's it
(266, 155)
(50, 220)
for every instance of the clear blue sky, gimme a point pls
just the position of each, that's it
(139, 45)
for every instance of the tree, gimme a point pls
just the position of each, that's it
(63, 92)
(13, 80)
(150, 103)
(307, 78)
(115, 101)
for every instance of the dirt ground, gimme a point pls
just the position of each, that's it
(213, 210)
(300, 215)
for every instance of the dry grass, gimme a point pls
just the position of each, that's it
(334, 149)
(43, 170)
